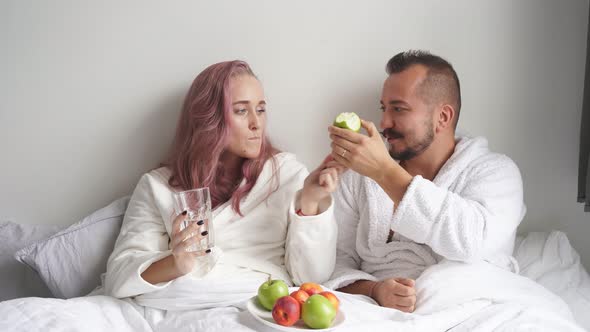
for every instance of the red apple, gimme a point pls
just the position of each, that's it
(311, 288)
(286, 311)
(332, 298)
(300, 295)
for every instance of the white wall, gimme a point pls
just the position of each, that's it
(89, 93)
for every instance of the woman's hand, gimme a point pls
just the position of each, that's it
(181, 240)
(319, 184)
(181, 261)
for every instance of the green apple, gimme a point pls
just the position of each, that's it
(348, 120)
(318, 312)
(270, 291)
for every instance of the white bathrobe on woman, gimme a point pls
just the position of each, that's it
(470, 211)
(269, 239)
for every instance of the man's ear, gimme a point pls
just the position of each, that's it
(446, 117)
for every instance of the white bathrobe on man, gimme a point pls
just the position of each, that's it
(468, 214)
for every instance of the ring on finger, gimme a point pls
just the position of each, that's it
(343, 153)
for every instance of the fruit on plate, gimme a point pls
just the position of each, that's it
(300, 295)
(311, 288)
(270, 291)
(332, 298)
(286, 311)
(348, 120)
(318, 312)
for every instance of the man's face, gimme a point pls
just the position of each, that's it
(407, 120)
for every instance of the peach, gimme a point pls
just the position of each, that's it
(311, 288)
(286, 311)
(332, 298)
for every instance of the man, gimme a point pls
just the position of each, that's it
(432, 196)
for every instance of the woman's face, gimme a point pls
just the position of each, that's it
(247, 118)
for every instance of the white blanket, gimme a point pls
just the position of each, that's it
(550, 260)
(447, 300)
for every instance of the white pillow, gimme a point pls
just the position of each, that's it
(71, 261)
(17, 280)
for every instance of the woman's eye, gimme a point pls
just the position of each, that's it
(241, 111)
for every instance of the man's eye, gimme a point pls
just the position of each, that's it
(382, 108)
(262, 110)
(397, 109)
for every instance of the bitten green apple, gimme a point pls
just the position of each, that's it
(348, 120)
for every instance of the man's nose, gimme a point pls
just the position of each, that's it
(386, 121)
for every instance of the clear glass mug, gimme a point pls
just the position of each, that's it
(197, 204)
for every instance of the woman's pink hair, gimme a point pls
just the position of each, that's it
(201, 137)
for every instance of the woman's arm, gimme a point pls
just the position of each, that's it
(181, 261)
(311, 238)
(141, 261)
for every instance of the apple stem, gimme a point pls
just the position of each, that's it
(269, 278)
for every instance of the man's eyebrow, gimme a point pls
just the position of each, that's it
(397, 101)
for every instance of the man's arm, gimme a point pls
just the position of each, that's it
(479, 220)
(361, 287)
(397, 293)
(475, 223)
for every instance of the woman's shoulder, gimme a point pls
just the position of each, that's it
(287, 158)
(161, 174)
(156, 180)
(288, 163)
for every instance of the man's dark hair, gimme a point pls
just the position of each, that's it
(441, 83)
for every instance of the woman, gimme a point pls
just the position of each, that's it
(269, 215)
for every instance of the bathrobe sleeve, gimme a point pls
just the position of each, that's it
(143, 239)
(310, 248)
(473, 223)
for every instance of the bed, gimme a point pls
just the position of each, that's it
(46, 275)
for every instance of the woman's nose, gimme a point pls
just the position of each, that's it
(254, 121)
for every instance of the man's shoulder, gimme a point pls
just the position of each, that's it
(477, 151)
(477, 158)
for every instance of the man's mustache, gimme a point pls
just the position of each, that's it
(390, 133)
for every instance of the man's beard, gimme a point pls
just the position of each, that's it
(414, 147)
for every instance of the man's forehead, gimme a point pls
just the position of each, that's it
(406, 81)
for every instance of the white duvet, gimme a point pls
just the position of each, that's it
(451, 297)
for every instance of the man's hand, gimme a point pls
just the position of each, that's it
(366, 155)
(397, 293)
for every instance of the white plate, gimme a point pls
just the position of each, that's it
(265, 317)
